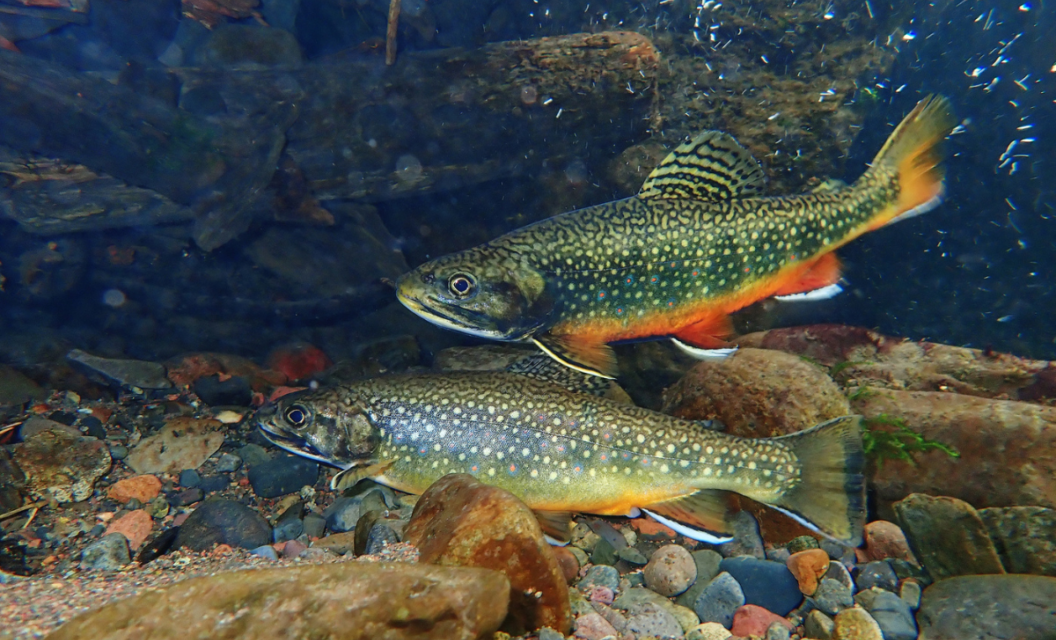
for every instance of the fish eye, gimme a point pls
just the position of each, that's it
(296, 415)
(460, 285)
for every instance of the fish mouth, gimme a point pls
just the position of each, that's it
(449, 317)
(293, 442)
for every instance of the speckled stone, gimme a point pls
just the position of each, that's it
(600, 575)
(719, 600)
(948, 536)
(671, 570)
(856, 624)
(802, 543)
(819, 626)
(634, 596)
(708, 631)
(832, 596)
(61, 465)
(876, 574)
(648, 619)
(593, 627)
(989, 607)
(108, 553)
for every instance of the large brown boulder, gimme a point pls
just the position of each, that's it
(461, 522)
(343, 601)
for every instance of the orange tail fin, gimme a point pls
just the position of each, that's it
(910, 162)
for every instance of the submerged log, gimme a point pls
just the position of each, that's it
(355, 129)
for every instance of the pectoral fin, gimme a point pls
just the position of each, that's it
(581, 354)
(817, 281)
(702, 516)
(349, 477)
(556, 524)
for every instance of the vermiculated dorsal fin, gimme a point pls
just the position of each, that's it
(543, 367)
(713, 166)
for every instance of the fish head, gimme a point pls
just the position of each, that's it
(329, 426)
(485, 293)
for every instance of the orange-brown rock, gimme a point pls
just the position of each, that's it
(568, 562)
(183, 443)
(340, 601)
(134, 525)
(885, 539)
(808, 566)
(143, 488)
(757, 393)
(461, 522)
(1007, 449)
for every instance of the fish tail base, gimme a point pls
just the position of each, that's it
(830, 497)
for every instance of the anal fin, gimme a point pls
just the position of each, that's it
(557, 525)
(702, 516)
(349, 477)
(708, 334)
(582, 354)
(820, 274)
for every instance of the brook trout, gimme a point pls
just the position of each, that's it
(562, 452)
(696, 244)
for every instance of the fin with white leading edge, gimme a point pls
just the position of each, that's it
(689, 532)
(824, 293)
(704, 354)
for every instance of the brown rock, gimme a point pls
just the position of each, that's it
(135, 526)
(947, 536)
(461, 522)
(808, 566)
(671, 570)
(868, 358)
(183, 443)
(61, 465)
(568, 562)
(993, 438)
(143, 488)
(885, 539)
(339, 543)
(341, 601)
(757, 393)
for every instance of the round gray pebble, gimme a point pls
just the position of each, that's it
(719, 600)
(228, 462)
(108, 553)
(671, 570)
(832, 597)
(648, 619)
(266, 551)
(601, 576)
(894, 616)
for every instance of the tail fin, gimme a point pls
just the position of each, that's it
(830, 497)
(910, 162)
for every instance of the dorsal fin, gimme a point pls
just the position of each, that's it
(543, 367)
(713, 166)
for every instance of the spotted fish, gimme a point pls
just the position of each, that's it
(563, 452)
(696, 244)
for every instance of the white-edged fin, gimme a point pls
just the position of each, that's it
(810, 525)
(704, 354)
(555, 543)
(920, 209)
(695, 534)
(824, 293)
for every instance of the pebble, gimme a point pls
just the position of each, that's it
(719, 600)
(808, 566)
(381, 535)
(343, 514)
(876, 574)
(777, 631)
(108, 553)
(778, 554)
(94, 427)
(948, 536)
(707, 562)
(1025, 538)
(267, 552)
(604, 595)
(283, 475)
(253, 454)
(648, 619)
(218, 520)
(183, 443)
(885, 539)
(339, 543)
(892, 614)
(671, 570)
(546, 633)
(187, 497)
(747, 540)
(228, 463)
(293, 549)
(314, 525)
(135, 525)
(61, 465)
(632, 555)
(593, 627)
(838, 551)
(910, 593)
(802, 543)
(143, 488)
(118, 451)
(765, 583)
(753, 620)
(584, 538)
(986, 607)
(189, 478)
(288, 529)
(856, 624)
(209, 484)
(234, 391)
(838, 572)
(600, 576)
(603, 553)
(818, 625)
(635, 596)
(832, 596)
(708, 631)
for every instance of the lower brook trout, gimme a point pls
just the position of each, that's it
(697, 243)
(563, 452)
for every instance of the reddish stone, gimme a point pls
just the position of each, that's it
(461, 522)
(808, 566)
(299, 361)
(593, 627)
(885, 539)
(649, 527)
(143, 488)
(134, 525)
(601, 594)
(752, 620)
(293, 549)
(568, 562)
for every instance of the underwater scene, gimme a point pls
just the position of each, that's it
(527, 319)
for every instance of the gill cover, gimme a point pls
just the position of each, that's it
(343, 437)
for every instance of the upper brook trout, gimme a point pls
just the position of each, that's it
(696, 244)
(561, 452)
